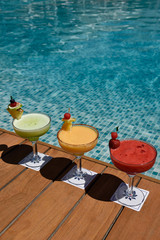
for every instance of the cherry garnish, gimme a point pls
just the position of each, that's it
(114, 135)
(13, 103)
(67, 116)
(114, 142)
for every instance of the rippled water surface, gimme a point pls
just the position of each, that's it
(100, 58)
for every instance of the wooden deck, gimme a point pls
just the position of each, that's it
(38, 205)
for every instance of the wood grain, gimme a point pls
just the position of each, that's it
(8, 144)
(143, 225)
(48, 210)
(37, 205)
(95, 213)
(7, 141)
(19, 193)
(9, 167)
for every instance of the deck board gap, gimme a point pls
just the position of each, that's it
(76, 204)
(49, 148)
(23, 141)
(22, 170)
(117, 216)
(65, 218)
(112, 224)
(20, 214)
(13, 179)
(10, 224)
(140, 178)
(74, 160)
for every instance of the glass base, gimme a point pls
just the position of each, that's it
(35, 161)
(125, 198)
(81, 179)
(30, 162)
(78, 177)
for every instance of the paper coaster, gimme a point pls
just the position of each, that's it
(126, 201)
(27, 162)
(77, 182)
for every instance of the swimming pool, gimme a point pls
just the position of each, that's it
(100, 58)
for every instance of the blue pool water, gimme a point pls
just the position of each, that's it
(98, 57)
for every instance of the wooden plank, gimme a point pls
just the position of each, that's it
(20, 192)
(9, 167)
(8, 141)
(48, 210)
(140, 225)
(95, 213)
(8, 146)
(148, 178)
(4, 130)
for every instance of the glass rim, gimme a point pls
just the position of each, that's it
(131, 164)
(80, 124)
(38, 129)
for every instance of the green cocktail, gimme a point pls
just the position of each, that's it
(32, 126)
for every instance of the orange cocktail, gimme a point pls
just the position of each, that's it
(80, 139)
(77, 139)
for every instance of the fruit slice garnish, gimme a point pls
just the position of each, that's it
(13, 104)
(14, 108)
(16, 113)
(17, 105)
(67, 125)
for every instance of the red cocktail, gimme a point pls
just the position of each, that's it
(132, 156)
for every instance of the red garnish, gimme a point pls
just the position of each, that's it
(114, 143)
(67, 116)
(114, 135)
(13, 104)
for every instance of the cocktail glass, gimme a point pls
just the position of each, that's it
(32, 126)
(132, 156)
(78, 149)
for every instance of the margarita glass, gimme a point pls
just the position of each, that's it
(132, 156)
(80, 139)
(32, 126)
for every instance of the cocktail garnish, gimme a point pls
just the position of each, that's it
(114, 142)
(67, 116)
(14, 108)
(13, 103)
(67, 125)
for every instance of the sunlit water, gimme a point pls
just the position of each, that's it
(100, 58)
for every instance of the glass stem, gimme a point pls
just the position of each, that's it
(79, 164)
(130, 185)
(35, 152)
